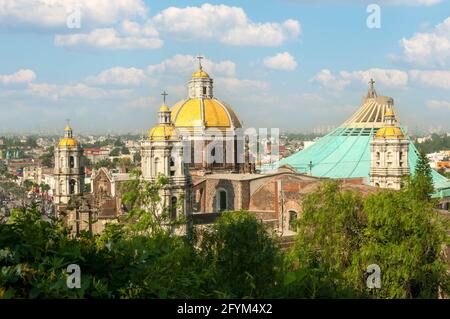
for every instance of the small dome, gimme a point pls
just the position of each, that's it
(162, 132)
(389, 132)
(68, 128)
(68, 142)
(200, 74)
(164, 108)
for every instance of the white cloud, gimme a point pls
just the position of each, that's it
(328, 80)
(384, 2)
(54, 13)
(438, 104)
(109, 38)
(118, 76)
(387, 77)
(184, 64)
(281, 61)
(78, 90)
(229, 25)
(438, 79)
(21, 76)
(429, 48)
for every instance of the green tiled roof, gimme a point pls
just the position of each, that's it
(345, 153)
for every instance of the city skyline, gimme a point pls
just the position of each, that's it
(288, 64)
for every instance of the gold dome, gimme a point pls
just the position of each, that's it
(68, 142)
(214, 113)
(200, 74)
(164, 108)
(162, 132)
(389, 132)
(68, 128)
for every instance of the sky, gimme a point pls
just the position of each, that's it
(297, 65)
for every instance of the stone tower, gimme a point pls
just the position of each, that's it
(69, 170)
(162, 155)
(389, 154)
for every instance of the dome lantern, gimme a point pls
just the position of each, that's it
(200, 85)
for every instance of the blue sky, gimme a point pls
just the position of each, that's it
(300, 65)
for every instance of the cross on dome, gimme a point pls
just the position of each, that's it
(371, 93)
(164, 94)
(200, 58)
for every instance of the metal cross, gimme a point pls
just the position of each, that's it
(199, 57)
(164, 94)
(371, 82)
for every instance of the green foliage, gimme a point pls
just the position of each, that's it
(48, 157)
(421, 183)
(243, 256)
(104, 163)
(115, 152)
(341, 234)
(437, 143)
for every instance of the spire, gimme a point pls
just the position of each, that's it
(164, 111)
(371, 94)
(68, 129)
(200, 58)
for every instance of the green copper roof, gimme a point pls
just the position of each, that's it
(345, 153)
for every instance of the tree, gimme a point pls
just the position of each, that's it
(104, 163)
(48, 157)
(115, 152)
(125, 150)
(243, 255)
(422, 180)
(341, 234)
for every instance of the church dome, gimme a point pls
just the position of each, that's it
(68, 142)
(162, 132)
(389, 132)
(209, 112)
(200, 74)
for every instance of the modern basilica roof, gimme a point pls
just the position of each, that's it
(345, 152)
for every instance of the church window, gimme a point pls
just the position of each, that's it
(292, 220)
(222, 200)
(378, 156)
(156, 167)
(62, 162)
(204, 90)
(71, 162)
(72, 186)
(173, 208)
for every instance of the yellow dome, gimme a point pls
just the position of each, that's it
(188, 113)
(200, 74)
(162, 132)
(390, 132)
(164, 108)
(68, 142)
(68, 128)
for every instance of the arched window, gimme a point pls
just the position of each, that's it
(71, 162)
(173, 208)
(72, 186)
(221, 200)
(204, 90)
(172, 166)
(378, 156)
(156, 167)
(292, 220)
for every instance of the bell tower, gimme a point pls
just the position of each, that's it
(69, 170)
(389, 154)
